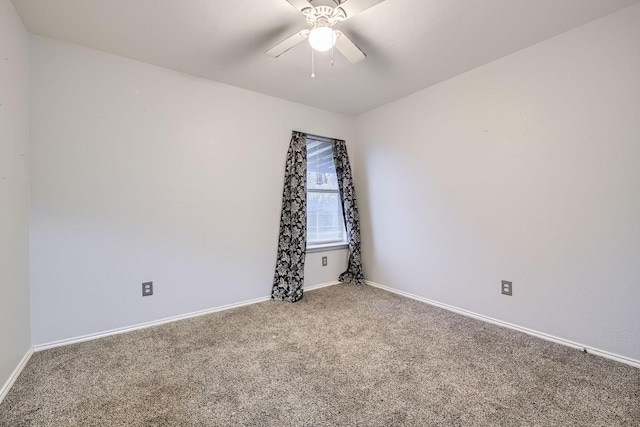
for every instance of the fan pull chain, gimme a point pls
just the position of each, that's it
(313, 65)
(332, 56)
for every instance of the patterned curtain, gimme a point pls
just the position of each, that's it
(354, 272)
(292, 244)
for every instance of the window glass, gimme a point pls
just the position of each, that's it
(325, 223)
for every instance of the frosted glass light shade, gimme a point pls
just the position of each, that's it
(322, 38)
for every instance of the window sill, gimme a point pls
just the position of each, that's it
(327, 247)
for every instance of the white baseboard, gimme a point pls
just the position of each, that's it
(14, 375)
(578, 346)
(144, 325)
(321, 285)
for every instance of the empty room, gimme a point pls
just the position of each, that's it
(319, 212)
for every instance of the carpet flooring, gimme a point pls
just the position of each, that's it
(344, 355)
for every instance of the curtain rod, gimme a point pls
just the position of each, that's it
(320, 137)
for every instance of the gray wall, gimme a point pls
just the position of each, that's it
(526, 169)
(15, 329)
(141, 174)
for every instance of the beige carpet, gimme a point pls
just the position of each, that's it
(344, 355)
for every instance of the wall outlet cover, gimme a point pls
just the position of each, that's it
(147, 289)
(507, 288)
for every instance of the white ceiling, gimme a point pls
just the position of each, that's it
(411, 44)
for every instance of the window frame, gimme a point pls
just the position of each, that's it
(330, 244)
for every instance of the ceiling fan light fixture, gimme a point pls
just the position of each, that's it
(322, 38)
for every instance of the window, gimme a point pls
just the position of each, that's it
(325, 223)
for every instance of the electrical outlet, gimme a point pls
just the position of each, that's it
(324, 261)
(507, 288)
(147, 289)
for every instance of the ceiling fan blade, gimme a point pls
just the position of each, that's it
(348, 48)
(354, 7)
(284, 46)
(301, 5)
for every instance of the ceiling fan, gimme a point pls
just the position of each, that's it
(322, 18)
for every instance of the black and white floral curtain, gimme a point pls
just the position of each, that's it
(292, 244)
(354, 272)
